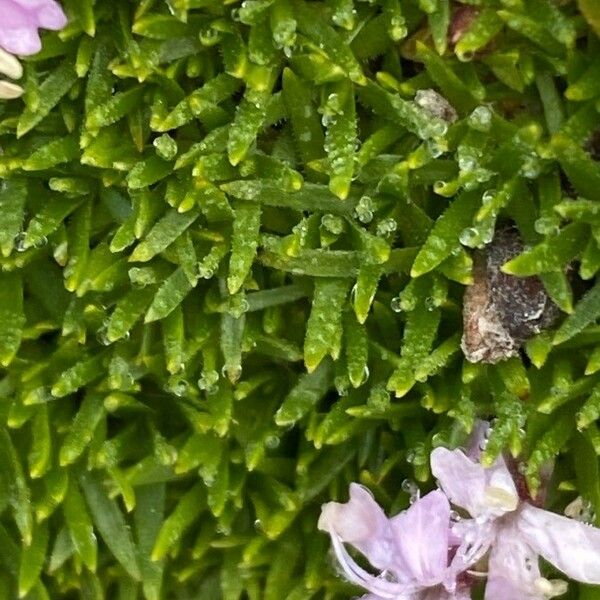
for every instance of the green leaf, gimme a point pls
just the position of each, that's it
(12, 316)
(587, 471)
(33, 558)
(128, 311)
(357, 350)
(162, 235)
(48, 219)
(313, 26)
(77, 376)
(80, 526)
(13, 194)
(308, 391)
(111, 524)
(443, 237)
(82, 430)
(40, 455)
(324, 328)
(245, 237)
(311, 197)
(591, 12)
(586, 312)
(188, 509)
(149, 513)
(550, 255)
(340, 138)
(304, 119)
(54, 153)
(18, 492)
(51, 91)
(248, 120)
(148, 172)
(170, 294)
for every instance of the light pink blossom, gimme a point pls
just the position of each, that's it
(410, 550)
(20, 21)
(515, 532)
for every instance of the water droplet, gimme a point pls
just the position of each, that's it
(470, 237)
(396, 304)
(341, 385)
(272, 442)
(436, 147)
(333, 223)
(364, 209)
(366, 374)
(439, 129)
(178, 387)
(20, 242)
(209, 36)
(488, 196)
(102, 336)
(386, 226)
(40, 242)
(546, 225)
(208, 381)
(531, 167)
(412, 489)
(439, 186)
(480, 119)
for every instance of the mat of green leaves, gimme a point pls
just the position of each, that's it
(231, 279)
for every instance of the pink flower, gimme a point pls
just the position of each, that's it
(20, 21)
(410, 550)
(515, 532)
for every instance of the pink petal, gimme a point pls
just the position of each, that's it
(513, 568)
(18, 29)
(440, 593)
(362, 523)
(476, 539)
(421, 534)
(462, 480)
(379, 587)
(571, 546)
(49, 14)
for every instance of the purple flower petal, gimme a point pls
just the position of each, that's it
(48, 12)
(362, 523)
(571, 546)
(440, 593)
(476, 539)
(513, 568)
(380, 587)
(18, 29)
(21, 20)
(421, 535)
(462, 480)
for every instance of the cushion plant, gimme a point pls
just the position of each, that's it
(234, 243)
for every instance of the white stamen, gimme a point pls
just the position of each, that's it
(551, 588)
(498, 497)
(478, 574)
(9, 91)
(9, 65)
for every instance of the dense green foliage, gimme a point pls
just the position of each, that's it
(233, 253)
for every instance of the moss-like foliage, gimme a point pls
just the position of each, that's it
(233, 255)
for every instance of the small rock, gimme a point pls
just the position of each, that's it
(501, 312)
